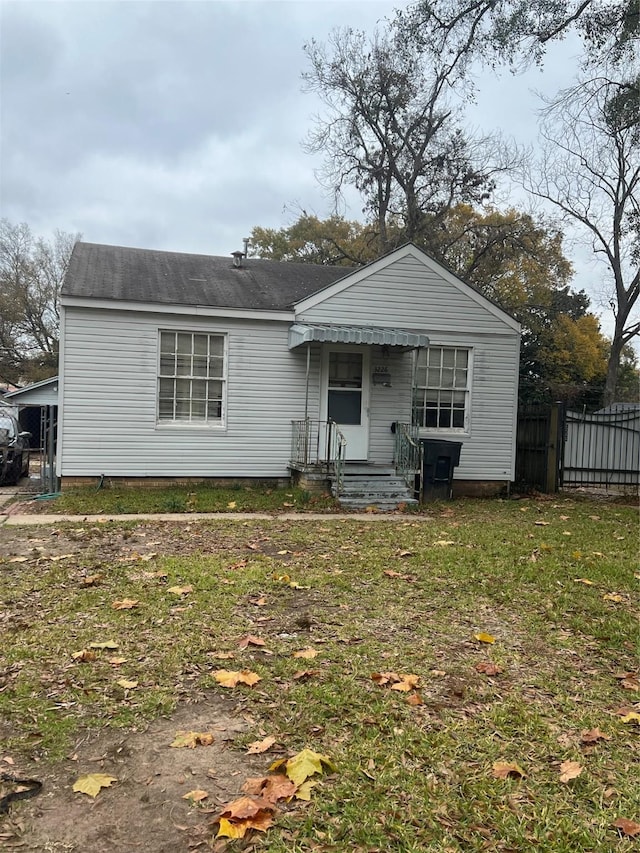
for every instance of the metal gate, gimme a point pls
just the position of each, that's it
(540, 447)
(602, 448)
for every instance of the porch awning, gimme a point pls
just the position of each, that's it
(301, 333)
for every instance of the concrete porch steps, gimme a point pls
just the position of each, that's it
(372, 486)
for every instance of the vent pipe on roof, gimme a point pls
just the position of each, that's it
(238, 256)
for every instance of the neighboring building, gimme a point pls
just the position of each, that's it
(190, 366)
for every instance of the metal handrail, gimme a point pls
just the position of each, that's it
(408, 454)
(319, 444)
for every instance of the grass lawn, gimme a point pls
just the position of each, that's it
(553, 583)
(199, 497)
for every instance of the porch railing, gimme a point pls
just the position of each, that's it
(317, 445)
(408, 454)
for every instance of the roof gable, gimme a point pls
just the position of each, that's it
(360, 275)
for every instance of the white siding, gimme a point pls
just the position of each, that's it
(109, 399)
(406, 294)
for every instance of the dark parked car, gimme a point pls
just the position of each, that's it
(14, 450)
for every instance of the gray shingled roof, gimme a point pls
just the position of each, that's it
(147, 275)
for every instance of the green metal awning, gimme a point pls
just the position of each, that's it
(302, 333)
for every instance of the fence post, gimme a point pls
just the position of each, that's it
(555, 448)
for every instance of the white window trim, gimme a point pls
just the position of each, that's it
(194, 425)
(453, 431)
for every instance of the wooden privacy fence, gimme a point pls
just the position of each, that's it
(556, 448)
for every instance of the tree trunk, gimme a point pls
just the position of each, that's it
(613, 368)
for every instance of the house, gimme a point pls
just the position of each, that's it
(192, 366)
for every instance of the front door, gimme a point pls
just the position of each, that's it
(345, 396)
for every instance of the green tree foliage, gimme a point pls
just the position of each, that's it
(31, 273)
(333, 241)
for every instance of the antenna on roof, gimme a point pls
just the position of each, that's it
(245, 240)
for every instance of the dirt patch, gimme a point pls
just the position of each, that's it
(144, 810)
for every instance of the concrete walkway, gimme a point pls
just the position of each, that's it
(18, 520)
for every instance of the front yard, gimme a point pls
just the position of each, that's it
(471, 674)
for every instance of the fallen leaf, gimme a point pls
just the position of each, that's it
(415, 699)
(407, 682)
(222, 655)
(116, 661)
(127, 685)
(594, 735)
(250, 640)
(232, 505)
(484, 638)
(305, 764)
(108, 645)
(305, 653)
(502, 770)
(488, 668)
(585, 581)
(84, 656)
(125, 604)
(542, 523)
(195, 796)
(190, 740)
(303, 674)
(92, 783)
(303, 792)
(271, 788)
(613, 596)
(261, 745)
(570, 770)
(18, 560)
(243, 814)
(230, 678)
(631, 717)
(180, 590)
(444, 542)
(627, 827)
(91, 580)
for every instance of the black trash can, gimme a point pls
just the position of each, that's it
(439, 458)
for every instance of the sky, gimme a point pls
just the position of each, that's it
(179, 125)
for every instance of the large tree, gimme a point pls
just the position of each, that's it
(589, 169)
(31, 273)
(519, 31)
(393, 130)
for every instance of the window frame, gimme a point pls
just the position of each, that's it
(424, 388)
(193, 422)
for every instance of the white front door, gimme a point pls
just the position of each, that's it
(345, 395)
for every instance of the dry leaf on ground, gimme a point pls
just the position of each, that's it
(189, 740)
(482, 637)
(92, 783)
(250, 640)
(270, 788)
(305, 653)
(231, 678)
(125, 604)
(180, 590)
(593, 736)
(196, 796)
(570, 770)
(261, 745)
(627, 827)
(488, 668)
(502, 770)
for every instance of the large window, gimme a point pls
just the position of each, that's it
(441, 394)
(191, 386)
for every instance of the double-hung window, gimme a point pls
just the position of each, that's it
(441, 393)
(191, 381)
